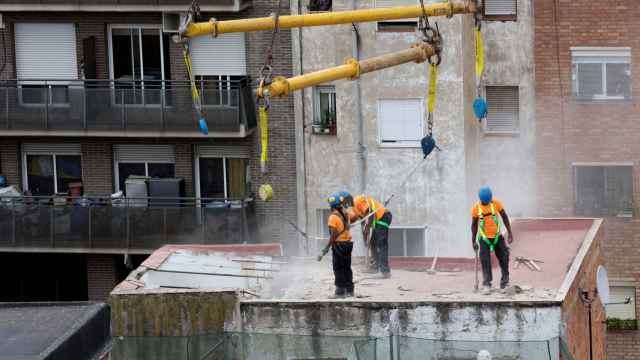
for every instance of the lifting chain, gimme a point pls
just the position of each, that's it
(266, 72)
(479, 103)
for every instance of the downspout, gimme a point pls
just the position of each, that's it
(301, 152)
(361, 152)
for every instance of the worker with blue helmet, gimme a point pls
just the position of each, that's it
(341, 243)
(486, 236)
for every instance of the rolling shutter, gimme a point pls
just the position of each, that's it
(503, 108)
(500, 7)
(400, 120)
(223, 151)
(43, 148)
(224, 55)
(622, 311)
(137, 153)
(46, 51)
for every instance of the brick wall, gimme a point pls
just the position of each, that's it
(97, 159)
(575, 314)
(569, 130)
(101, 275)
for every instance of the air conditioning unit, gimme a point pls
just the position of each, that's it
(171, 22)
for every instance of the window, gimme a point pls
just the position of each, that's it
(324, 107)
(601, 73)
(504, 10)
(223, 178)
(219, 90)
(152, 160)
(407, 241)
(503, 108)
(150, 169)
(139, 57)
(319, 5)
(399, 25)
(58, 41)
(619, 310)
(400, 122)
(604, 190)
(49, 168)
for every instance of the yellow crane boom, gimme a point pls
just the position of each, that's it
(351, 69)
(214, 27)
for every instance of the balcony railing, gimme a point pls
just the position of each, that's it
(135, 225)
(122, 5)
(104, 107)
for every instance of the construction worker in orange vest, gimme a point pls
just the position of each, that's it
(341, 244)
(378, 220)
(486, 236)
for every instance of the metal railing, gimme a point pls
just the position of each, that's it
(124, 224)
(123, 105)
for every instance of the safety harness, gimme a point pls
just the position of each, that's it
(481, 234)
(372, 206)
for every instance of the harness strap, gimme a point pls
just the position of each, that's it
(481, 235)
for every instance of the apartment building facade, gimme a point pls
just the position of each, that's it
(586, 112)
(431, 212)
(94, 93)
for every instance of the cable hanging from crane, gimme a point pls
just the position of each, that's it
(266, 191)
(479, 103)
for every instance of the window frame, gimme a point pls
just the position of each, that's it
(574, 167)
(317, 114)
(404, 229)
(140, 27)
(485, 123)
(402, 144)
(622, 55)
(632, 304)
(116, 169)
(501, 17)
(224, 170)
(53, 154)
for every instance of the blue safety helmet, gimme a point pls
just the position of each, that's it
(347, 199)
(485, 195)
(3, 181)
(335, 200)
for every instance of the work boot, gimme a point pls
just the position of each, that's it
(349, 293)
(340, 293)
(386, 275)
(504, 285)
(486, 290)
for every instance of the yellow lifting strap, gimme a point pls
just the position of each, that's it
(479, 55)
(433, 79)
(264, 137)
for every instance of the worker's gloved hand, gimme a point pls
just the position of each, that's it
(510, 238)
(475, 246)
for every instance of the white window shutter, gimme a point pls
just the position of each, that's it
(223, 55)
(618, 294)
(46, 51)
(137, 153)
(500, 7)
(503, 108)
(400, 120)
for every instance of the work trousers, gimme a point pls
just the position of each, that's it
(341, 252)
(380, 246)
(502, 253)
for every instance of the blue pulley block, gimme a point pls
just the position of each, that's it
(428, 144)
(203, 126)
(480, 108)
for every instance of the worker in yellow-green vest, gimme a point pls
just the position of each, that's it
(378, 220)
(486, 236)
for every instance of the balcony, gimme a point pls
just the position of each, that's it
(122, 5)
(124, 108)
(128, 225)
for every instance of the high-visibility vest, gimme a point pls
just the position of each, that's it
(480, 235)
(372, 207)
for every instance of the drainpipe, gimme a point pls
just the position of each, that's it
(361, 152)
(301, 153)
